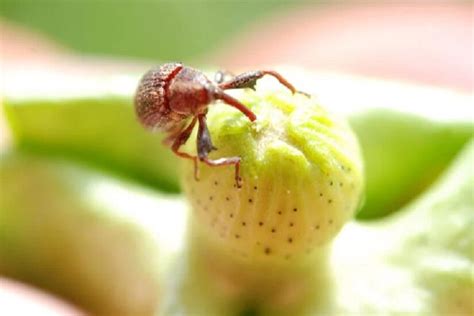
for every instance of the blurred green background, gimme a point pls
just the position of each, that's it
(154, 30)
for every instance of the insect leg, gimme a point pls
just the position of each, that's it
(172, 135)
(249, 79)
(180, 140)
(204, 146)
(204, 142)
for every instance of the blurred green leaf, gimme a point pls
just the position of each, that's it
(80, 234)
(404, 153)
(417, 261)
(101, 131)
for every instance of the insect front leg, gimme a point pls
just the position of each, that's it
(204, 147)
(249, 79)
(181, 139)
(204, 142)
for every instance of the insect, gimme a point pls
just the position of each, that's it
(174, 98)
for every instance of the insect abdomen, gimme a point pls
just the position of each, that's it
(151, 98)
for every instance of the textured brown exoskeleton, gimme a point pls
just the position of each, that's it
(173, 98)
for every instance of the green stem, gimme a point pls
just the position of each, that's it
(216, 283)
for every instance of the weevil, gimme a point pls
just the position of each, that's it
(174, 98)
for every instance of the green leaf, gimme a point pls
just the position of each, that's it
(92, 121)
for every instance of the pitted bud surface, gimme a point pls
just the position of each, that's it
(302, 177)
